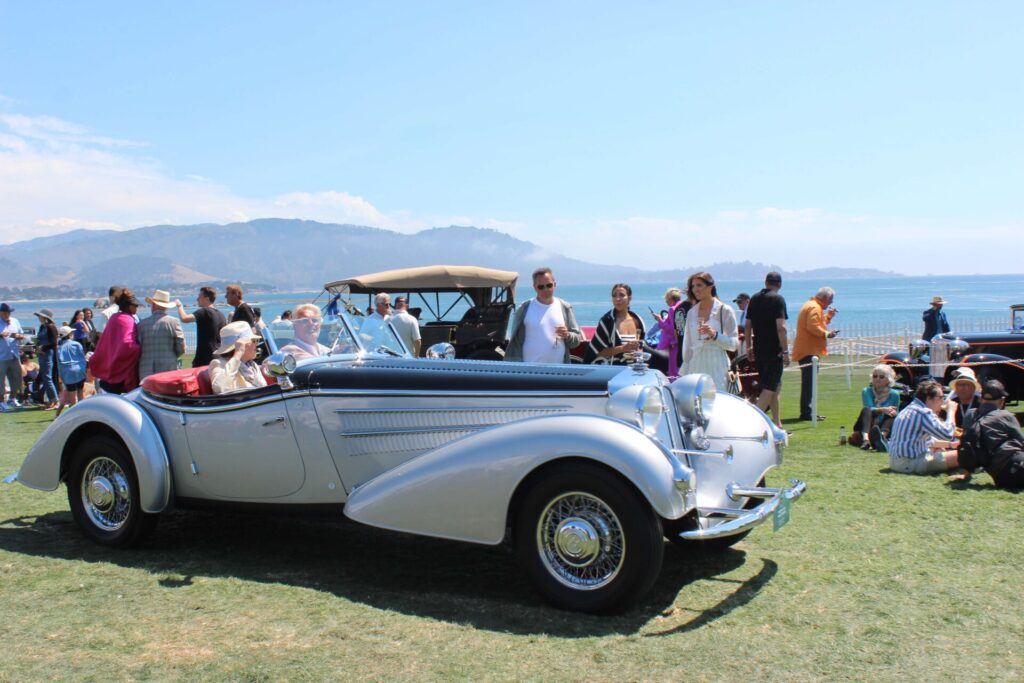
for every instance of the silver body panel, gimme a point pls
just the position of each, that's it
(42, 467)
(462, 490)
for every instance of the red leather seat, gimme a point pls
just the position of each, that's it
(205, 386)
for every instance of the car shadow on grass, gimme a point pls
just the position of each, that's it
(456, 582)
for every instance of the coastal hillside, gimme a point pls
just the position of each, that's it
(294, 254)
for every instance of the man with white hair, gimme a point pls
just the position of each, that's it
(812, 335)
(381, 307)
(306, 323)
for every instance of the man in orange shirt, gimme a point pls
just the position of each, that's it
(812, 335)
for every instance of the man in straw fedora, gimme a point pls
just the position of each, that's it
(934, 319)
(160, 337)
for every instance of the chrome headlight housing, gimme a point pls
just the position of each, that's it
(639, 405)
(918, 348)
(441, 351)
(958, 347)
(695, 398)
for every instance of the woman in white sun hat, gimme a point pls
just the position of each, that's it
(233, 367)
(965, 394)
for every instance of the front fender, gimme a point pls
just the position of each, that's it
(105, 412)
(462, 490)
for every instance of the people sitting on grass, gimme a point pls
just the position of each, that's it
(921, 443)
(880, 402)
(965, 395)
(233, 367)
(992, 439)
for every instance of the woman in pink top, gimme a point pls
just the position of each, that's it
(115, 362)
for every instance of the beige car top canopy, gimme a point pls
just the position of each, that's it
(427, 279)
(478, 287)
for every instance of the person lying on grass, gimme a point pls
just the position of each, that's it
(921, 443)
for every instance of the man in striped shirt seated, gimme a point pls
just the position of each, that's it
(920, 442)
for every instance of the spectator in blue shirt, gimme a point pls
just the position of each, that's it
(921, 443)
(71, 366)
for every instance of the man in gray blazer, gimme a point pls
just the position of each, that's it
(544, 328)
(160, 337)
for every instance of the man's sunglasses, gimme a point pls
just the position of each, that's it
(549, 285)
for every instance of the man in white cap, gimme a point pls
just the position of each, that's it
(160, 337)
(10, 358)
(233, 367)
(934, 319)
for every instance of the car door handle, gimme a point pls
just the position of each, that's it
(279, 418)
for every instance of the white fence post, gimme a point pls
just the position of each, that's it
(814, 391)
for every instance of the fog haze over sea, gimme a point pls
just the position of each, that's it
(889, 301)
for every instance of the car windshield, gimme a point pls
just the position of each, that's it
(371, 334)
(1018, 318)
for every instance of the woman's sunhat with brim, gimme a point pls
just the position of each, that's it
(44, 313)
(232, 332)
(160, 298)
(938, 300)
(964, 375)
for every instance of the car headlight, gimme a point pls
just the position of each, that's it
(695, 398)
(638, 405)
(918, 348)
(958, 347)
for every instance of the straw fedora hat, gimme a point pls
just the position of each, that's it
(938, 301)
(160, 298)
(964, 375)
(232, 332)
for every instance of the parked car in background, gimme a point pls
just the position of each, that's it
(466, 306)
(584, 470)
(992, 355)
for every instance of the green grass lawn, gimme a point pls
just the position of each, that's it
(877, 576)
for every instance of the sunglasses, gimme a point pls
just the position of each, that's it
(549, 285)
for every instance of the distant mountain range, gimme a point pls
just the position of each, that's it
(287, 254)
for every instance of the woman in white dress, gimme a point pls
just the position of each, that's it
(710, 332)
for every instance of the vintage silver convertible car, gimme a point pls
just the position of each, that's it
(584, 469)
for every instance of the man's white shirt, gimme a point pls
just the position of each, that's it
(408, 328)
(540, 345)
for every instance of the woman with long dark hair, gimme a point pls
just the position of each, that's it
(607, 345)
(711, 331)
(46, 353)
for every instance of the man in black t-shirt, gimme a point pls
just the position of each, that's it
(767, 341)
(243, 311)
(208, 322)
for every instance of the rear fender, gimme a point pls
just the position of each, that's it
(46, 463)
(463, 490)
(1010, 371)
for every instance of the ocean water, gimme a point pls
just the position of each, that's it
(893, 302)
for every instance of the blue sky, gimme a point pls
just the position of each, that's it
(651, 134)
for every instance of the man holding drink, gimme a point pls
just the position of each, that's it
(544, 328)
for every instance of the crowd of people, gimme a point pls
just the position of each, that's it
(698, 333)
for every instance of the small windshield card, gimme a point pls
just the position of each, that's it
(781, 514)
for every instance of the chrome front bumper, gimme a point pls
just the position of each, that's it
(741, 520)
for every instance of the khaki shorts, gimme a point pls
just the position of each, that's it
(926, 464)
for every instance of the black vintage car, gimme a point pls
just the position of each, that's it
(465, 306)
(992, 355)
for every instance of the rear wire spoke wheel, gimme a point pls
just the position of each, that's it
(587, 539)
(103, 492)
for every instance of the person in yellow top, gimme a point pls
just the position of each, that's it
(812, 335)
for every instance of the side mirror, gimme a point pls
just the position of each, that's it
(441, 351)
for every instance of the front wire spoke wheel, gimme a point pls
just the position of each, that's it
(581, 541)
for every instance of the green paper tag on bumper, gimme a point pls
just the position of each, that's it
(781, 515)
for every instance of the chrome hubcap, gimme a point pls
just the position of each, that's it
(106, 495)
(580, 541)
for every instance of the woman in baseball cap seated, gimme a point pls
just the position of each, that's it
(233, 367)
